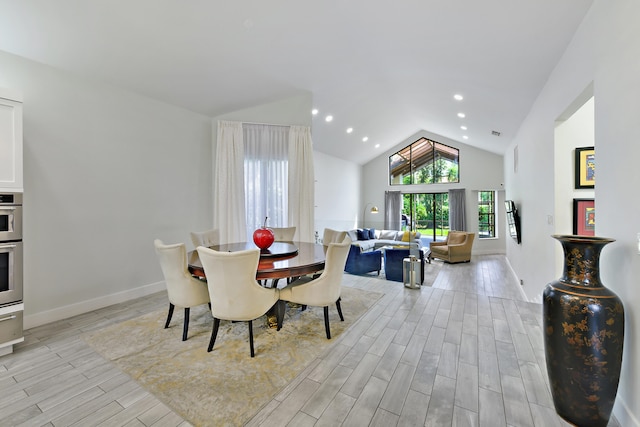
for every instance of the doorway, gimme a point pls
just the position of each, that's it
(574, 129)
(427, 213)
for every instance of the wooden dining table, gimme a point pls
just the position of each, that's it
(281, 260)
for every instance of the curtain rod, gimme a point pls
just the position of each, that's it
(264, 124)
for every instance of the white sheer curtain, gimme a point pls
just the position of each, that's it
(301, 183)
(266, 160)
(228, 206)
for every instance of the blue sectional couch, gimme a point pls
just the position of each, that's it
(370, 238)
(359, 262)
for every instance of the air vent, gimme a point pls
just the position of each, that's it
(495, 133)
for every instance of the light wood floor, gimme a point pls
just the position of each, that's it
(467, 351)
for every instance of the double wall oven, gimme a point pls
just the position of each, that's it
(11, 306)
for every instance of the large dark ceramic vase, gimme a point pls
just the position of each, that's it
(583, 335)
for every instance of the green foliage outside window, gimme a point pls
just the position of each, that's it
(486, 214)
(427, 213)
(424, 162)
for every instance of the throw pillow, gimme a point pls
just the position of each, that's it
(372, 233)
(408, 236)
(363, 234)
(353, 235)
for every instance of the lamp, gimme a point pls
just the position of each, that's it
(374, 210)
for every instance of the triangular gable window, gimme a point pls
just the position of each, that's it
(424, 162)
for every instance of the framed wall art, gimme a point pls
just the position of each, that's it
(584, 217)
(585, 166)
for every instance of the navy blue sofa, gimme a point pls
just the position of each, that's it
(359, 262)
(393, 259)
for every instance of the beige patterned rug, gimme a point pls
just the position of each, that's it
(226, 386)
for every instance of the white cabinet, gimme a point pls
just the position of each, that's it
(10, 141)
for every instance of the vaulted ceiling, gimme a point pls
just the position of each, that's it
(386, 69)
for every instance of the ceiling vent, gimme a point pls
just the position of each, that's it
(495, 133)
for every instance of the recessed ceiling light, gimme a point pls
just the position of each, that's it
(328, 118)
(465, 137)
(377, 145)
(314, 111)
(462, 115)
(463, 127)
(458, 97)
(349, 130)
(365, 139)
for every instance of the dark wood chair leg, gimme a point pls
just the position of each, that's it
(185, 329)
(214, 333)
(326, 321)
(304, 307)
(281, 307)
(171, 307)
(251, 337)
(339, 309)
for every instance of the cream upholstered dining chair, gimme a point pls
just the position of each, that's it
(324, 290)
(183, 289)
(235, 293)
(332, 236)
(205, 238)
(284, 234)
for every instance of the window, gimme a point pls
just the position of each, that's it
(266, 175)
(424, 162)
(427, 213)
(486, 214)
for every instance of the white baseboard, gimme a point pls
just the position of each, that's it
(42, 318)
(515, 276)
(487, 252)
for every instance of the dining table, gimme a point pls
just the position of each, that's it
(282, 260)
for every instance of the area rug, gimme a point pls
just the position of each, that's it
(225, 387)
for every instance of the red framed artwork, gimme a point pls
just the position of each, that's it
(584, 217)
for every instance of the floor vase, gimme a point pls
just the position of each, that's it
(583, 335)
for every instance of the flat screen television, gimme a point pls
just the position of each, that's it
(513, 220)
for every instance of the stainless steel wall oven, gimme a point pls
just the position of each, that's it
(10, 248)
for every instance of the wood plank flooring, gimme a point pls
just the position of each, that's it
(467, 351)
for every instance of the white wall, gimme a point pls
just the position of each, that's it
(576, 131)
(338, 187)
(106, 172)
(605, 52)
(479, 170)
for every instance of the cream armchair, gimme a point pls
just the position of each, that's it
(324, 290)
(183, 290)
(235, 293)
(456, 248)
